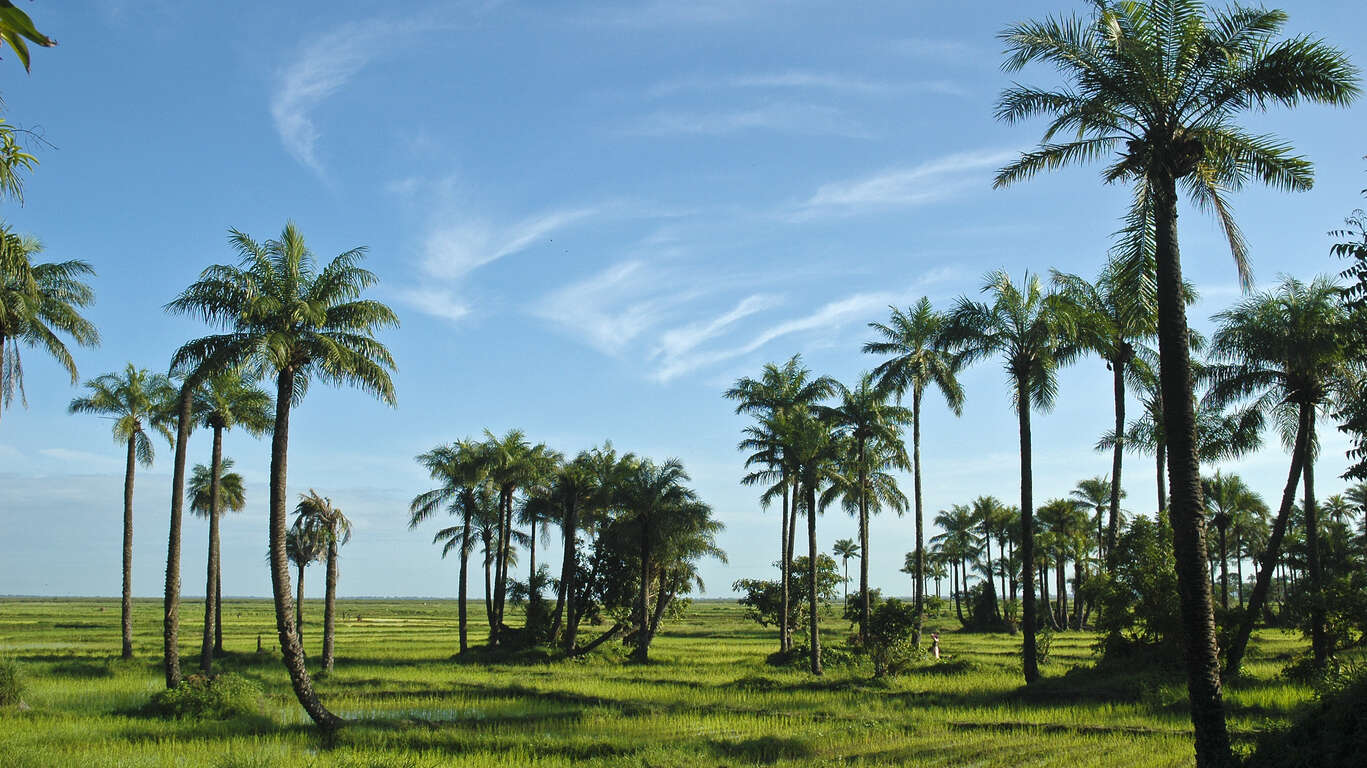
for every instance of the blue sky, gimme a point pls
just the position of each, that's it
(591, 217)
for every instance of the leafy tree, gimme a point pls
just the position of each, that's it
(138, 402)
(284, 314)
(37, 303)
(1033, 332)
(1158, 86)
(890, 629)
(212, 494)
(914, 342)
(762, 600)
(1286, 351)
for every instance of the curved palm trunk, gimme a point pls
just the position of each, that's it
(919, 589)
(811, 580)
(171, 602)
(206, 647)
(1188, 524)
(783, 565)
(1319, 641)
(464, 572)
(863, 551)
(127, 608)
(1117, 455)
(330, 603)
(1028, 661)
(291, 648)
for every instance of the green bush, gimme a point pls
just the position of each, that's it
(1330, 732)
(11, 684)
(212, 697)
(890, 626)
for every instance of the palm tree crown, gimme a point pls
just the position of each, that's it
(137, 401)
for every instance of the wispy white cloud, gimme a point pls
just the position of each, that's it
(938, 49)
(452, 251)
(801, 119)
(611, 309)
(676, 345)
(805, 80)
(902, 187)
(663, 13)
(437, 302)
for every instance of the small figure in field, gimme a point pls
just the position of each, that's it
(935, 644)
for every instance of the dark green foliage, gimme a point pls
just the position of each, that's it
(851, 613)
(11, 684)
(208, 697)
(760, 598)
(1044, 644)
(1138, 605)
(889, 643)
(983, 615)
(1343, 596)
(1331, 732)
(1352, 246)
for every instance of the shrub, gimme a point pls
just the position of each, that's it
(890, 626)
(212, 697)
(984, 615)
(11, 684)
(1330, 732)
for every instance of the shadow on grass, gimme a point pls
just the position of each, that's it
(763, 750)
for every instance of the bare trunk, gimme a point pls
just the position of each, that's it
(920, 576)
(1188, 523)
(291, 648)
(330, 603)
(1319, 641)
(1117, 455)
(643, 605)
(784, 561)
(218, 608)
(1028, 661)
(954, 584)
(171, 602)
(463, 590)
(206, 647)
(811, 581)
(127, 613)
(1224, 569)
(863, 552)
(569, 527)
(299, 606)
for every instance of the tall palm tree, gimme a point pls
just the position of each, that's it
(1096, 494)
(815, 452)
(957, 544)
(462, 469)
(1286, 351)
(1031, 329)
(872, 429)
(845, 549)
(137, 402)
(212, 494)
(334, 529)
(587, 488)
(225, 400)
(652, 496)
(1067, 525)
(918, 359)
(514, 465)
(935, 569)
(774, 399)
(303, 545)
(1114, 314)
(987, 517)
(37, 303)
(283, 314)
(1159, 86)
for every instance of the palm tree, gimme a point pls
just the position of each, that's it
(213, 493)
(1096, 494)
(774, 399)
(935, 569)
(37, 303)
(462, 469)
(987, 516)
(283, 314)
(586, 488)
(1114, 314)
(815, 452)
(957, 545)
(514, 464)
(872, 428)
(914, 340)
(1032, 330)
(137, 401)
(1286, 351)
(1066, 523)
(224, 401)
(845, 549)
(303, 545)
(1161, 84)
(333, 529)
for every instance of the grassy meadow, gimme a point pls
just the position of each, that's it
(707, 699)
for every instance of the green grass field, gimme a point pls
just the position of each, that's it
(707, 699)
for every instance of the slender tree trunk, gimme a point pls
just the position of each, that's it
(218, 609)
(811, 580)
(783, 561)
(330, 602)
(1224, 569)
(1188, 524)
(1077, 593)
(570, 534)
(291, 648)
(1117, 452)
(1002, 566)
(954, 583)
(501, 564)
(488, 591)
(1239, 568)
(206, 648)
(920, 576)
(788, 561)
(1161, 456)
(863, 551)
(299, 607)
(991, 585)
(643, 601)
(171, 602)
(1319, 641)
(127, 617)
(462, 591)
(1059, 568)
(1028, 661)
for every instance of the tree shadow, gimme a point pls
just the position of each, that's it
(762, 750)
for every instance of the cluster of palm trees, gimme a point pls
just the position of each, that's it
(632, 536)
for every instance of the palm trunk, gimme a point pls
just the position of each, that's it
(218, 608)
(792, 550)
(642, 652)
(1028, 661)
(811, 580)
(488, 592)
(291, 648)
(1319, 641)
(954, 583)
(1077, 591)
(1002, 566)
(127, 613)
(1239, 569)
(1161, 458)
(531, 557)
(299, 606)
(500, 563)
(1117, 453)
(920, 576)
(171, 602)
(330, 602)
(1224, 569)
(206, 648)
(462, 591)
(991, 585)
(1188, 525)
(863, 552)
(783, 563)
(1059, 569)
(569, 526)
